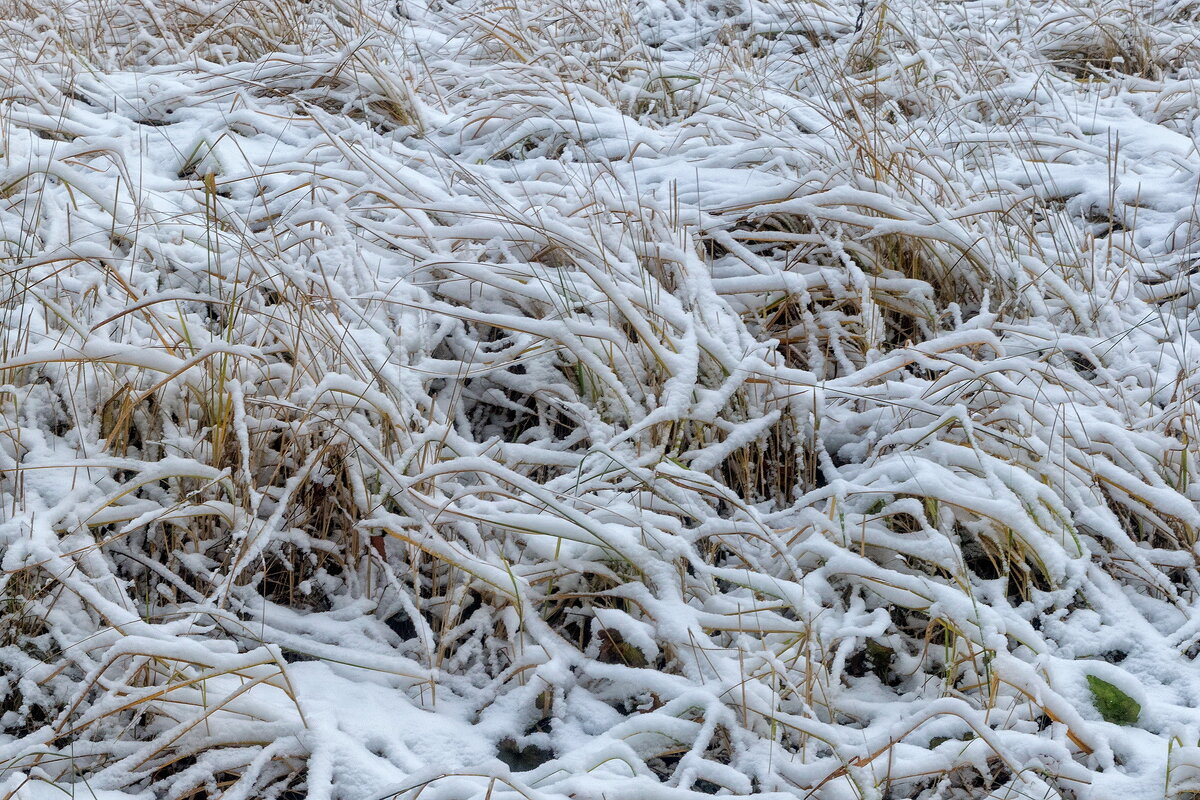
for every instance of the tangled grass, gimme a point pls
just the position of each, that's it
(612, 400)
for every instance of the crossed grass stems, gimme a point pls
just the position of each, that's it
(551, 342)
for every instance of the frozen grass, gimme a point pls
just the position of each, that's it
(598, 399)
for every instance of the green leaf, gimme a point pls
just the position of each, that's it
(880, 657)
(1113, 704)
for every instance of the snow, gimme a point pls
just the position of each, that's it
(598, 400)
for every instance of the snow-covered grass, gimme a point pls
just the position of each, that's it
(599, 399)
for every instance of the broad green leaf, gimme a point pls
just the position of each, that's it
(1113, 704)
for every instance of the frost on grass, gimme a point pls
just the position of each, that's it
(599, 399)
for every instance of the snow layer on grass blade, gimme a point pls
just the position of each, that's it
(605, 400)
